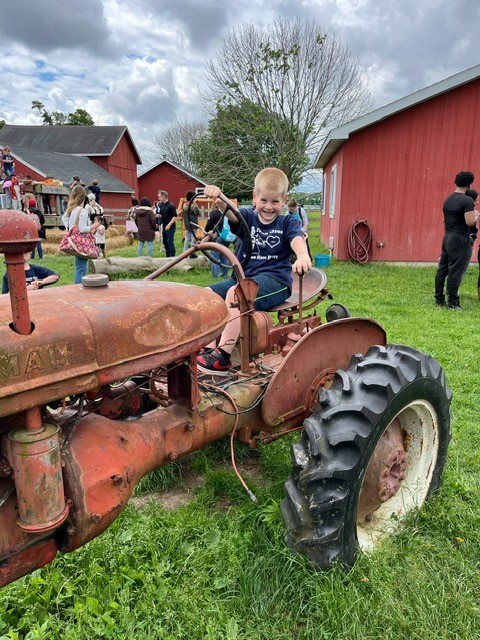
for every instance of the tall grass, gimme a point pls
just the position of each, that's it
(217, 567)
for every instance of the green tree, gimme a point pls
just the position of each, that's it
(78, 117)
(293, 69)
(241, 140)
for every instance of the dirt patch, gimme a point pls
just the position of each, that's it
(173, 498)
(177, 497)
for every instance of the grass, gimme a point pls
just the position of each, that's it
(217, 567)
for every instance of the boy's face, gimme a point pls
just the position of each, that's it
(268, 205)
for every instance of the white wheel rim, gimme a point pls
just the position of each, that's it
(419, 421)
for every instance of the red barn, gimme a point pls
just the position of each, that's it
(168, 176)
(105, 153)
(394, 167)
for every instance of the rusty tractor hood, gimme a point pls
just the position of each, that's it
(86, 337)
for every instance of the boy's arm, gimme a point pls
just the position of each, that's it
(212, 191)
(303, 263)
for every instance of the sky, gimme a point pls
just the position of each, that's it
(140, 63)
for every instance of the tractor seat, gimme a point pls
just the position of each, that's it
(314, 282)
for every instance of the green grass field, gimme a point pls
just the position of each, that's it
(217, 568)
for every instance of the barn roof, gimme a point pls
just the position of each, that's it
(178, 166)
(72, 139)
(337, 137)
(63, 166)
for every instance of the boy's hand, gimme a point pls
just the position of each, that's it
(212, 191)
(302, 264)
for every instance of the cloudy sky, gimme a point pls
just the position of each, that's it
(139, 62)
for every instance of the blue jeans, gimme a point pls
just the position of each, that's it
(270, 291)
(168, 241)
(141, 244)
(39, 249)
(190, 240)
(224, 265)
(81, 267)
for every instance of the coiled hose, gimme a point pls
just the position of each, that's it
(359, 242)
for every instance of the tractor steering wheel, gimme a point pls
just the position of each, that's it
(218, 225)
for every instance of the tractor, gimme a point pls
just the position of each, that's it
(99, 386)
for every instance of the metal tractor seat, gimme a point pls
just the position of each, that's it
(311, 289)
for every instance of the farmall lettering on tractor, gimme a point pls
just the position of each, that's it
(99, 386)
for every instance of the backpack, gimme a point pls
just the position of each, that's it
(36, 220)
(225, 233)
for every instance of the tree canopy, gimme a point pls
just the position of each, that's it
(302, 80)
(78, 117)
(241, 140)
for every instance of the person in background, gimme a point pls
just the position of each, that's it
(473, 194)
(6, 184)
(95, 189)
(100, 235)
(190, 213)
(146, 223)
(15, 195)
(168, 214)
(27, 192)
(76, 213)
(214, 217)
(274, 237)
(36, 276)
(131, 229)
(93, 208)
(8, 164)
(37, 216)
(459, 216)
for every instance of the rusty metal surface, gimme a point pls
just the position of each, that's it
(111, 456)
(18, 234)
(35, 460)
(385, 471)
(329, 346)
(101, 335)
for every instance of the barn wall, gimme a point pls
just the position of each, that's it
(122, 163)
(167, 178)
(397, 172)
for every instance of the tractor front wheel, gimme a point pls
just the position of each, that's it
(373, 450)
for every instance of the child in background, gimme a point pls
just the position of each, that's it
(36, 276)
(100, 235)
(274, 237)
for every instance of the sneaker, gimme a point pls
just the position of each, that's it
(214, 362)
(441, 304)
(455, 307)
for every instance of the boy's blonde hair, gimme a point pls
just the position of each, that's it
(271, 179)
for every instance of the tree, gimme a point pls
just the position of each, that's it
(174, 143)
(292, 69)
(78, 117)
(241, 140)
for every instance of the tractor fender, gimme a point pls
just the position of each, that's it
(311, 363)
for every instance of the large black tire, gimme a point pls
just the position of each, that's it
(392, 384)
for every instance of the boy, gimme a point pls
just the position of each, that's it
(35, 275)
(274, 237)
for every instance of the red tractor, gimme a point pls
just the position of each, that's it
(99, 386)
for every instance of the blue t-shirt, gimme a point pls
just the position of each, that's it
(34, 272)
(271, 245)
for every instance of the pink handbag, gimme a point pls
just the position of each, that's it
(79, 244)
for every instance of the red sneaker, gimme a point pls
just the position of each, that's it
(214, 362)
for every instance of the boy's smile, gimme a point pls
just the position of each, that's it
(268, 205)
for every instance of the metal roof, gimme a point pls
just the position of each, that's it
(337, 137)
(76, 140)
(64, 166)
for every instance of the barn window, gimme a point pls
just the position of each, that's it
(333, 190)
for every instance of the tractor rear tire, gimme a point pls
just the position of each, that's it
(330, 510)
